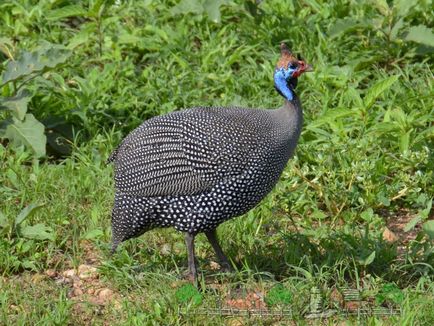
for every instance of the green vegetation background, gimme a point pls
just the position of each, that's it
(91, 71)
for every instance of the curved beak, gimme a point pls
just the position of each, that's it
(304, 67)
(308, 68)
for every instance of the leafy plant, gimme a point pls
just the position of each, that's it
(13, 228)
(391, 27)
(199, 7)
(188, 293)
(389, 292)
(423, 216)
(278, 295)
(21, 127)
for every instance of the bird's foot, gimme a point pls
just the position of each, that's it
(226, 267)
(190, 277)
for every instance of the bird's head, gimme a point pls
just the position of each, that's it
(288, 69)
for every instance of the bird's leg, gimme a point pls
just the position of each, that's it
(224, 262)
(192, 270)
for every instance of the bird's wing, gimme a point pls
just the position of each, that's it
(184, 153)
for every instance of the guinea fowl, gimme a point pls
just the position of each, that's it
(196, 168)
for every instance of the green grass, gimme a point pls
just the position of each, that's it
(364, 161)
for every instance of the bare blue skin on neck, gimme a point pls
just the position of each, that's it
(281, 78)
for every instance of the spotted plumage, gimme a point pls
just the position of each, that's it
(196, 168)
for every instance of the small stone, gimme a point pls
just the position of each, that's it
(165, 249)
(37, 278)
(77, 283)
(91, 291)
(87, 271)
(70, 273)
(178, 283)
(214, 265)
(105, 295)
(77, 292)
(117, 305)
(62, 280)
(51, 273)
(95, 301)
(389, 236)
(215, 286)
(14, 307)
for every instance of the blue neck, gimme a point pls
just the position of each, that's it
(281, 83)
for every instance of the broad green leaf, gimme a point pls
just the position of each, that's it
(26, 212)
(47, 56)
(426, 211)
(368, 260)
(188, 6)
(188, 294)
(98, 7)
(420, 34)
(424, 134)
(331, 115)
(96, 233)
(375, 91)
(6, 44)
(319, 131)
(367, 215)
(400, 117)
(384, 127)
(363, 61)
(29, 133)
(396, 28)
(387, 115)
(78, 39)
(25, 65)
(383, 199)
(37, 232)
(319, 215)
(380, 298)
(212, 8)
(65, 12)
(181, 61)
(6, 40)
(3, 220)
(17, 104)
(410, 225)
(28, 264)
(390, 292)
(342, 26)
(355, 96)
(126, 38)
(381, 6)
(428, 227)
(404, 141)
(401, 7)
(51, 55)
(158, 31)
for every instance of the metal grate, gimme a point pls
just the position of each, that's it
(316, 308)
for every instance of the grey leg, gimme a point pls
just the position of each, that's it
(224, 262)
(113, 249)
(192, 270)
